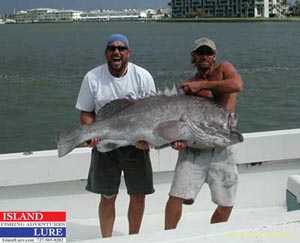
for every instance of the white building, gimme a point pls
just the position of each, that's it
(47, 14)
(261, 8)
(52, 15)
(106, 15)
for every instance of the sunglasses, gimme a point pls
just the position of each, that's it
(206, 52)
(113, 48)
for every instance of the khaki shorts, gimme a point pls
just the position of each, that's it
(216, 167)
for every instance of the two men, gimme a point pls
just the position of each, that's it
(117, 79)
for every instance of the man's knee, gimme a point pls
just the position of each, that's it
(173, 212)
(108, 200)
(174, 202)
(221, 214)
(225, 210)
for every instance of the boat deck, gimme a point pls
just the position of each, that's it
(40, 181)
(264, 207)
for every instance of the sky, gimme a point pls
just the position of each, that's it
(8, 6)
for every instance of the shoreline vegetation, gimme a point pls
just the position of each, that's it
(237, 19)
(177, 20)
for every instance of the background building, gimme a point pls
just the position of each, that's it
(107, 15)
(222, 8)
(41, 15)
(47, 15)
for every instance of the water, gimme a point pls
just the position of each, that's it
(42, 66)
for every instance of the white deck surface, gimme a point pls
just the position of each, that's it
(260, 208)
(42, 182)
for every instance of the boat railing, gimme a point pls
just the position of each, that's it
(45, 166)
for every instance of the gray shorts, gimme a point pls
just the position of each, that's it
(106, 169)
(216, 167)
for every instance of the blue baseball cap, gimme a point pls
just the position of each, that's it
(118, 37)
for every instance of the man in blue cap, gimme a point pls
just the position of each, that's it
(116, 79)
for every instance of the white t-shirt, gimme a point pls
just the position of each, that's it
(100, 87)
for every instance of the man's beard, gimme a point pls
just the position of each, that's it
(204, 67)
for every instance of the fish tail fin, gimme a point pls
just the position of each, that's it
(69, 140)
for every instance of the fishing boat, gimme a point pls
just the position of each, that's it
(266, 208)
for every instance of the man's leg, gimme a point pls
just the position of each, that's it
(223, 182)
(221, 214)
(107, 215)
(136, 212)
(173, 212)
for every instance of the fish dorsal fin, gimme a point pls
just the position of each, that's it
(168, 91)
(113, 107)
(159, 92)
(174, 90)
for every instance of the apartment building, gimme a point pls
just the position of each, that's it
(52, 15)
(221, 8)
(107, 15)
(47, 14)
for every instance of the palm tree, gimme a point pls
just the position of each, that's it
(296, 8)
(275, 8)
(246, 6)
(284, 4)
(280, 7)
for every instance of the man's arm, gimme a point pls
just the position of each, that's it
(203, 92)
(88, 118)
(231, 82)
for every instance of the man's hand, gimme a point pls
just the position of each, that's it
(179, 145)
(196, 88)
(93, 142)
(142, 145)
(191, 87)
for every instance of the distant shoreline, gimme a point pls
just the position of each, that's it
(231, 20)
(180, 20)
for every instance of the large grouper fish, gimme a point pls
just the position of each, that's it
(159, 120)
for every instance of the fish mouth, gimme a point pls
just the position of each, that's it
(237, 135)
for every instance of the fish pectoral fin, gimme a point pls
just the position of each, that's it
(109, 145)
(172, 130)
